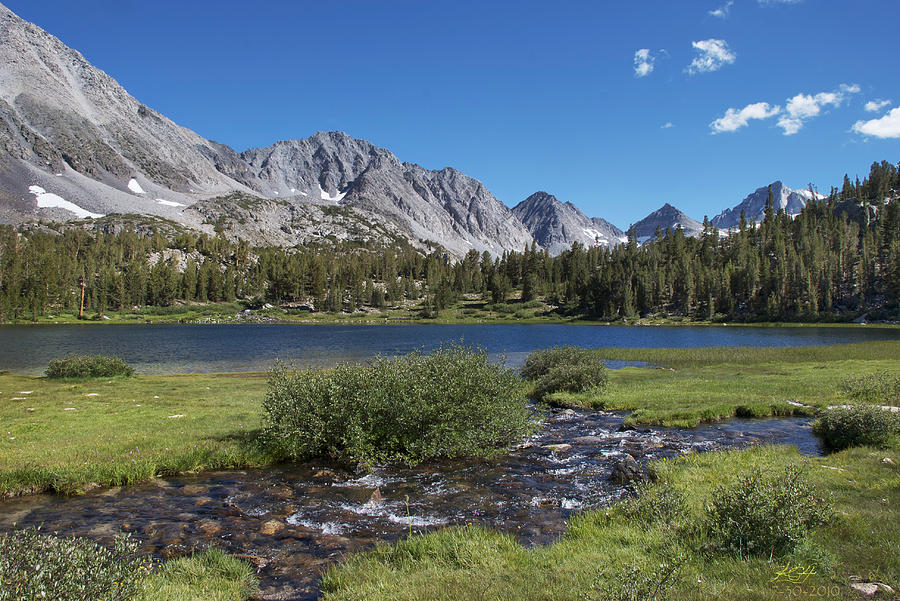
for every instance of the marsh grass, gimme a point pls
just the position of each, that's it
(67, 436)
(210, 575)
(88, 366)
(690, 386)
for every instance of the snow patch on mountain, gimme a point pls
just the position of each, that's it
(338, 196)
(48, 200)
(134, 186)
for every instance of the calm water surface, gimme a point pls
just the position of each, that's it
(252, 347)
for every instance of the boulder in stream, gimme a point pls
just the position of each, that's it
(627, 470)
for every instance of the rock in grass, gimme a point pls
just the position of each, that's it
(870, 589)
(627, 470)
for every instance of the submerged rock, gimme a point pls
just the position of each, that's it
(271, 527)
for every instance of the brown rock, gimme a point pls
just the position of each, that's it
(271, 527)
(375, 498)
(558, 448)
(259, 562)
(209, 527)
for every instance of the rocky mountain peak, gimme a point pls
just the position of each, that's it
(666, 217)
(754, 205)
(556, 225)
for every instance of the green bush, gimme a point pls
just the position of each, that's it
(656, 502)
(500, 308)
(35, 566)
(88, 366)
(881, 387)
(453, 402)
(859, 425)
(765, 514)
(564, 369)
(639, 581)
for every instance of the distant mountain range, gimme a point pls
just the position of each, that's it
(74, 144)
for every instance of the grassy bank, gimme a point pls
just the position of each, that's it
(707, 384)
(614, 549)
(66, 436)
(466, 311)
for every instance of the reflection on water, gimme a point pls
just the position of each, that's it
(252, 347)
(294, 520)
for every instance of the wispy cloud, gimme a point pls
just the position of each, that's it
(735, 119)
(803, 107)
(723, 11)
(643, 62)
(873, 106)
(797, 110)
(712, 55)
(885, 127)
(666, 125)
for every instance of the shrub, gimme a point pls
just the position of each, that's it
(35, 566)
(564, 369)
(639, 581)
(859, 425)
(765, 514)
(879, 387)
(88, 366)
(453, 402)
(656, 503)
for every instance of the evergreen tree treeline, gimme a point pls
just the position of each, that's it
(841, 255)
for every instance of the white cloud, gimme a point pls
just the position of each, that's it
(805, 106)
(873, 106)
(712, 55)
(885, 127)
(723, 11)
(790, 125)
(735, 119)
(666, 125)
(643, 62)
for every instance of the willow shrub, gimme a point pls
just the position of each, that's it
(88, 366)
(856, 426)
(564, 369)
(765, 514)
(35, 566)
(452, 402)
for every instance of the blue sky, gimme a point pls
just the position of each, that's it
(525, 95)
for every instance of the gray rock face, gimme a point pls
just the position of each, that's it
(60, 112)
(754, 205)
(73, 142)
(556, 225)
(666, 217)
(445, 206)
